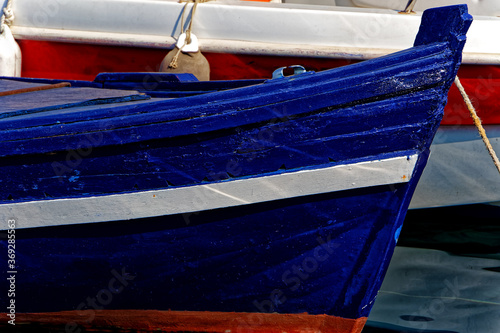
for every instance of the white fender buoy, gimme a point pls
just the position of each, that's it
(10, 54)
(190, 47)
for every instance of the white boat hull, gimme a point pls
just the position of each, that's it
(241, 27)
(459, 171)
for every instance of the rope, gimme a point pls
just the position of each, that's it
(37, 88)
(7, 17)
(409, 6)
(188, 31)
(173, 63)
(478, 124)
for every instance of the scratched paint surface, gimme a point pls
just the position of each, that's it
(318, 254)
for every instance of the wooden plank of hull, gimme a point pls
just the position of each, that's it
(41, 59)
(227, 126)
(400, 74)
(79, 176)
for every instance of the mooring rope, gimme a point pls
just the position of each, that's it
(478, 123)
(173, 63)
(409, 7)
(7, 16)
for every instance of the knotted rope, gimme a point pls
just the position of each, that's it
(173, 63)
(478, 124)
(7, 17)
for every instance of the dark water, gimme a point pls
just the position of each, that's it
(444, 275)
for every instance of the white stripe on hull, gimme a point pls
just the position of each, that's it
(196, 198)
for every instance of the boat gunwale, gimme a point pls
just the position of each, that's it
(286, 86)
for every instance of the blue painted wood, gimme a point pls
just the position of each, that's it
(268, 257)
(74, 83)
(63, 98)
(146, 78)
(169, 89)
(243, 153)
(317, 259)
(337, 81)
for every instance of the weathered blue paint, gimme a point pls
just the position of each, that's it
(238, 132)
(318, 254)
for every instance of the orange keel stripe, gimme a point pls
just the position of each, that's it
(188, 321)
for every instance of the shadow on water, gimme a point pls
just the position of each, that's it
(374, 327)
(440, 248)
(461, 230)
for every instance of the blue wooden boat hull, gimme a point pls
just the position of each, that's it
(314, 254)
(277, 197)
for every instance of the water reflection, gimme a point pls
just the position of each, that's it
(444, 276)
